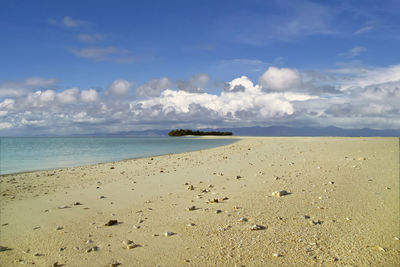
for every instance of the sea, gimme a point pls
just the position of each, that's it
(21, 154)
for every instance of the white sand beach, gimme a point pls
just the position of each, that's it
(342, 208)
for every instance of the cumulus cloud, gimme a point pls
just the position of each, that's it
(356, 98)
(154, 87)
(280, 79)
(15, 89)
(89, 95)
(119, 88)
(195, 84)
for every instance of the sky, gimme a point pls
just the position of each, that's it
(81, 67)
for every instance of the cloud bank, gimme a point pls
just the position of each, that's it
(346, 97)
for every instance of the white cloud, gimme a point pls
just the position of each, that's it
(90, 95)
(109, 53)
(119, 88)
(363, 30)
(69, 96)
(89, 38)
(16, 89)
(362, 97)
(353, 52)
(67, 22)
(154, 87)
(280, 79)
(195, 84)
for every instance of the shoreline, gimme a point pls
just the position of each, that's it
(133, 158)
(335, 214)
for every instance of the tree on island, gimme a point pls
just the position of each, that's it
(182, 132)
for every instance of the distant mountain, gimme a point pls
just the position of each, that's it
(273, 131)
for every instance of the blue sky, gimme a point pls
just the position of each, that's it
(200, 48)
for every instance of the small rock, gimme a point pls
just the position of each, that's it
(191, 208)
(89, 241)
(214, 200)
(315, 222)
(59, 228)
(190, 224)
(63, 207)
(361, 158)
(129, 244)
(101, 197)
(331, 182)
(280, 193)
(276, 255)
(2, 248)
(111, 222)
(77, 203)
(243, 219)
(112, 168)
(116, 263)
(76, 248)
(169, 233)
(37, 254)
(257, 227)
(190, 187)
(218, 211)
(56, 264)
(238, 177)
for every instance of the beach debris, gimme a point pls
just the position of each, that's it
(2, 248)
(280, 193)
(95, 248)
(257, 227)
(214, 200)
(190, 224)
(348, 219)
(89, 241)
(111, 222)
(306, 217)
(129, 244)
(276, 255)
(77, 203)
(312, 222)
(191, 208)
(169, 233)
(331, 182)
(56, 264)
(243, 219)
(205, 190)
(362, 158)
(36, 227)
(114, 264)
(190, 187)
(63, 207)
(381, 248)
(218, 211)
(59, 228)
(37, 254)
(396, 238)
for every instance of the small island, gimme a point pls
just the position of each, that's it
(182, 132)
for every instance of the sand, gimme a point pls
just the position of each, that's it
(342, 208)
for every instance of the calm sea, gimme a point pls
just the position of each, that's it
(19, 154)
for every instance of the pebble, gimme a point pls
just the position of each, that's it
(238, 177)
(218, 211)
(257, 227)
(129, 244)
(190, 187)
(63, 207)
(111, 222)
(190, 224)
(243, 219)
(315, 222)
(89, 241)
(59, 228)
(100, 197)
(191, 208)
(331, 182)
(276, 255)
(214, 200)
(169, 233)
(116, 263)
(280, 193)
(3, 248)
(77, 203)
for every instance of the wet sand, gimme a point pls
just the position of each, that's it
(342, 208)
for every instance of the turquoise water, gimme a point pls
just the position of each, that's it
(19, 154)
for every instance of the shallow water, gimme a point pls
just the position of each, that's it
(19, 154)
